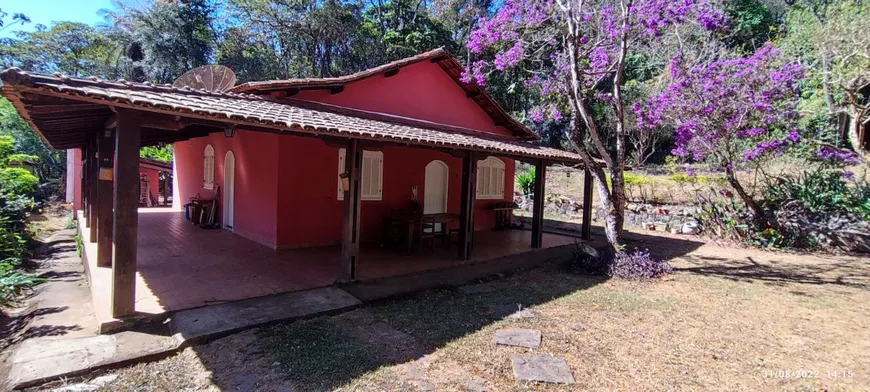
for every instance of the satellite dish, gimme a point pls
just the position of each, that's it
(208, 77)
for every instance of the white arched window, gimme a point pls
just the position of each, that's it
(490, 178)
(208, 168)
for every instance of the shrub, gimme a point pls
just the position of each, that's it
(820, 191)
(13, 252)
(17, 181)
(683, 178)
(635, 179)
(17, 187)
(728, 220)
(638, 265)
(587, 261)
(13, 284)
(526, 180)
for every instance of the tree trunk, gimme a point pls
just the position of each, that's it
(856, 136)
(761, 217)
(612, 201)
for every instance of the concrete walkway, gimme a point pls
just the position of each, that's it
(37, 361)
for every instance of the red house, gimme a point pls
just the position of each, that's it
(308, 176)
(154, 176)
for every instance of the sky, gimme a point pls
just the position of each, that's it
(48, 11)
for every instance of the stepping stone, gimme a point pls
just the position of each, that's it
(522, 314)
(530, 338)
(511, 311)
(542, 368)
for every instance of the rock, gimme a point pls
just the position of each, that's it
(855, 241)
(82, 387)
(522, 314)
(104, 380)
(541, 368)
(510, 311)
(529, 338)
(834, 230)
(690, 228)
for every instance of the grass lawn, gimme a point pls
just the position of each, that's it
(728, 319)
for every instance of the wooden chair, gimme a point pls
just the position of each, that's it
(428, 231)
(391, 233)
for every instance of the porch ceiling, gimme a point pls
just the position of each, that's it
(82, 106)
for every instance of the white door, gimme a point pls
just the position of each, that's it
(229, 189)
(435, 188)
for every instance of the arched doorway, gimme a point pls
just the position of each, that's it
(229, 190)
(435, 188)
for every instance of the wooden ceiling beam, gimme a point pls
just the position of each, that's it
(65, 108)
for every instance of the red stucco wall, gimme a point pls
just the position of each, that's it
(421, 91)
(76, 167)
(256, 179)
(153, 180)
(285, 186)
(310, 213)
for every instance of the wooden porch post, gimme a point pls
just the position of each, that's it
(84, 183)
(350, 234)
(538, 206)
(106, 151)
(466, 220)
(93, 171)
(586, 229)
(126, 219)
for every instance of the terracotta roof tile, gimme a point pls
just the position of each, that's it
(258, 111)
(448, 63)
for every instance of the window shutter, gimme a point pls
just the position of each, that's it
(208, 168)
(371, 181)
(490, 178)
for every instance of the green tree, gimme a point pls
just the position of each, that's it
(754, 23)
(17, 19)
(157, 153)
(75, 49)
(404, 28)
(50, 164)
(249, 56)
(175, 36)
(830, 40)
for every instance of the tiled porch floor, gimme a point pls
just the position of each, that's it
(181, 266)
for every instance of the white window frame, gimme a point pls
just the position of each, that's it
(208, 167)
(490, 179)
(372, 179)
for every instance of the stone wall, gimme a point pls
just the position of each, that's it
(664, 217)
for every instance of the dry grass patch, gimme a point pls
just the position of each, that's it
(728, 319)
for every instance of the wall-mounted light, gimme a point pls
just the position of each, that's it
(345, 181)
(106, 174)
(230, 131)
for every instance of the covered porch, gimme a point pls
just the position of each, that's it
(152, 261)
(181, 266)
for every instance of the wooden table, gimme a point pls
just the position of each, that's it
(411, 222)
(503, 217)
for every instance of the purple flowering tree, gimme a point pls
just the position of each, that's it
(574, 54)
(732, 112)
